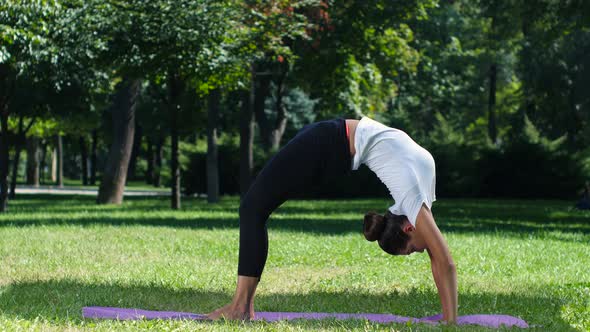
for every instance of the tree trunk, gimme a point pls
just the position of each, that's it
(60, 161)
(158, 156)
(6, 90)
(574, 119)
(18, 146)
(135, 152)
(149, 174)
(281, 121)
(20, 142)
(53, 165)
(84, 160)
(112, 185)
(42, 164)
(212, 155)
(33, 158)
(3, 157)
(14, 176)
(93, 157)
(246, 139)
(262, 85)
(174, 90)
(43, 161)
(492, 131)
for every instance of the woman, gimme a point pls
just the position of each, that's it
(334, 147)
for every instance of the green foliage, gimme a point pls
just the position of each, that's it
(554, 66)
(420, 65)
(271, 26)
(530, 165)
(299, 108)
(363, 92)
(371, 86)
(354, 61)
(130, 34)
(48, 86)
(24, 32)
(456, 169)
(194, 175)
(531, 135)
(27, 52)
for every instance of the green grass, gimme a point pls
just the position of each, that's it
(57, 254)
(77, 184)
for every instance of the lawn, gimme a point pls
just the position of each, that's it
(77, 184)
(525, 258)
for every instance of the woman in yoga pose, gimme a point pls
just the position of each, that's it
(335, 147)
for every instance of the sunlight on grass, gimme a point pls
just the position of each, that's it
(528, 259)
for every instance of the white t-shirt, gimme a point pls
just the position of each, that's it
(401, 164)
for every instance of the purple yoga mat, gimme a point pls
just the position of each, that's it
(132, 314)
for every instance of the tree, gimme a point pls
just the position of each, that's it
(19, 144)
(357, 54)
(93, 157)
(60, 160)
(25, 48)
(156, 125)
(135, 151)
(33, 160)
(553, 66)
(274, 28)
(263, 38)
(212, 158)
(175, 89)
(246, 138)
(195, 35)
(503, 34)
(112, 185)
(83, 159)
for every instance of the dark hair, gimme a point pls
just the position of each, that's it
(387, 231)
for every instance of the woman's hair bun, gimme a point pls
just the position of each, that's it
(373, 226)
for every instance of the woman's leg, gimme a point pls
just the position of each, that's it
(317, 149)
(293, 169)
(288, 171)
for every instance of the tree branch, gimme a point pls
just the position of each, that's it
(29, 125)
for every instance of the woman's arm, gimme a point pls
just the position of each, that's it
(443, 267)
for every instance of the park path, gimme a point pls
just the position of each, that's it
(71, 190)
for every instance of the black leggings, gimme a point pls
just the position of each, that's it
(319, 150)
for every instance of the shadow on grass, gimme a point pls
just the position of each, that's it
(71, 203)
(512, 218)
(62, 301)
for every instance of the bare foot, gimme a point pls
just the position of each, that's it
(231, 313)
